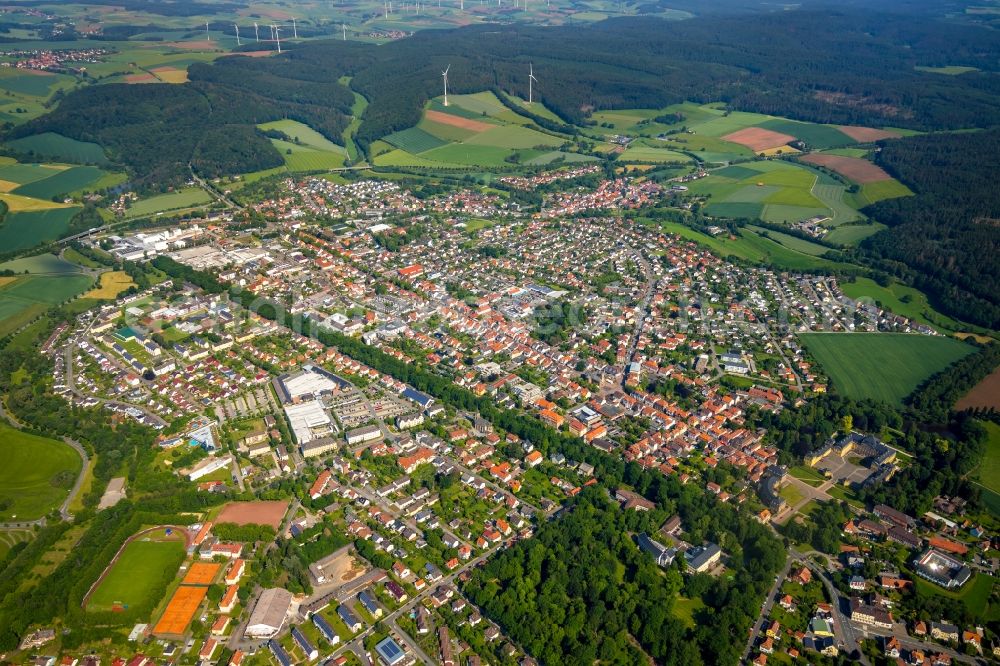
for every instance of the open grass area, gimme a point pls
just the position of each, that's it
(988, 471)
(188, 197)
(17, 203)
(414, 140)
(792, 242)
(685, 609)
(140, 575)
(884, 189)
(791, 494)
(36, 476)
(852, 234)
(41, 264)
(752, 247)
(975, 594)
(640, 151)
(808, 475)
(58, 147)
(899, 299)
(882, 366)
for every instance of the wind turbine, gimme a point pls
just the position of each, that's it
(277, 37)
(208, 35)
(531, 79)
(295, 29)
(445, 75)
(344, 26)
(256, 32)
(238, 43)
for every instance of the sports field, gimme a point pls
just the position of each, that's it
(36, 475)
(180, 611)
(882, 366)
(141, 574)
(254, 513)
(201, 573)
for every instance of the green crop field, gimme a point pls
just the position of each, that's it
(447, 133)
(832, 195)
(793, 242)
(882, 366)
(478, 103)
(313, 160)
(815, 136)
(34, 84)
(988, 472)
(404, 159)
(414, 140)
(734, 209)
(852, 234)
(305, 134)
(784, 213)
(48, 264)
(548, 158)
(26, 173)
(30, 228)
(513, 136)
(140, 576)
(58, 147)
(883, 189)
(465, 154)
(36, 476)
(754, 248)
(722, 125)
(61, 183)
(640, 152)
(184, 198)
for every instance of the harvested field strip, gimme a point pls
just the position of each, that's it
(457, 121)
(854, 169)
(867, 134)
(758, 138)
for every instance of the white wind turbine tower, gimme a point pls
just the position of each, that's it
(445, 75)
(531, 79)
(277, 36)
(208, 35)
(238, 43)
(295, 29)
(256, 31)
(344, 26)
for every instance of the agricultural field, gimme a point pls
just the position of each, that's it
(474, 130)
(775, 191)
(792, 242)
(58, 147)
(753, 247)
(189, 197)
(28, 228)
(644, 151)
(51, 281)
(984, 394)
(65, 181)
(36, 476)
(304, 158)
(852, 234)
(988, 472)
(110, 284)
(882, 366)
(141, 573)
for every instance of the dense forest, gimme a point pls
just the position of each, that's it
(209, 123)
(837, 66)
(581, 591)
(945, 239)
